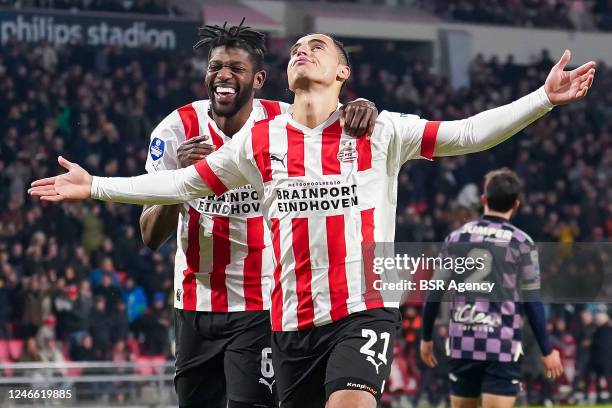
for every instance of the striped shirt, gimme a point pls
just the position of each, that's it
(324, 194)
(224, 260)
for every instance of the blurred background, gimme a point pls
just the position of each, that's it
(91, 78)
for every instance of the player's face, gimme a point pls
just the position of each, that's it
(231, 80)
(315, 59)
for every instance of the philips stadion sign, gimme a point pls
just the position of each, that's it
(98, 29)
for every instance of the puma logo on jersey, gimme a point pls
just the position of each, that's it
(263, 381)
(278, 158)
(371, 360)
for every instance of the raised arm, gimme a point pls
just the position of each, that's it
(491, 127)
(429, 139)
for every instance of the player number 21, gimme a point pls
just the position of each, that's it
(372, 339)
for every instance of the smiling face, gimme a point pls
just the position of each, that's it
(315, 58)
(231, 79)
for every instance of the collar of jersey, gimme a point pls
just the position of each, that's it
(494, 218)
(332, 118)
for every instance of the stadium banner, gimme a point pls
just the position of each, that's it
(499, 270)
(130, 31)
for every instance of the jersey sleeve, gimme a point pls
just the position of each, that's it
(228, 167)
(163, 145)
(224, 169)
(419, 137)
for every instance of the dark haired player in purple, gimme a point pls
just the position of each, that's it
(485, 327)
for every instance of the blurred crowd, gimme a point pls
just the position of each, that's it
(75, 279)
(584, 15)
(120, 6)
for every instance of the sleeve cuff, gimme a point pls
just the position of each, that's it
(95, 187)
(543, 97)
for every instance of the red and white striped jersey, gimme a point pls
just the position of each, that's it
(224, 260)
(324, 194)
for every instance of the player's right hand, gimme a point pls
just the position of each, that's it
(194, 149)
(427, 354)
(74, 185)
(552, 363)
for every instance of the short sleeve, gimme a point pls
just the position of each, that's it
(163, 145)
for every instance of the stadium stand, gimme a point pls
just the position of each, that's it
(66, 271)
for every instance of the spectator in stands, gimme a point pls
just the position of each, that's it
(599, 364)
(121, 354)
(32, 303)
(5, 309)
(51, 353)
(72, 320)
(153, 327)
(108, 290)
(135, 299)
(584, 339)
(31, 353)
(106, 268)
(100, 328)
(120, 322)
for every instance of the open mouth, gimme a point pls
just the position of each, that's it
(224, 93)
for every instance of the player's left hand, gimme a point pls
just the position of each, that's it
(427, 354)
(564, 87)
(358, 117)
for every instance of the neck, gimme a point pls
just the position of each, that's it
(506, 215)
(311, 107)
(230, 125)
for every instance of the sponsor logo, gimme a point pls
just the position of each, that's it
(347, 154)
(268, 384)
(179, 294)
(371, 360)
(363, 387)
(279, 158)
(468, 314)
(157, 148)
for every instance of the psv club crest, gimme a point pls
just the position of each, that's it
(348, 152)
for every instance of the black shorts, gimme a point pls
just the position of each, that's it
(219, 354)
(354, 353)
(471, 378)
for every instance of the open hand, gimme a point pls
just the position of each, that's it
(74, 185)
(564, 87)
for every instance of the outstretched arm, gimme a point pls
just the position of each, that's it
(164, 187)
(429, 139)
(489, 128)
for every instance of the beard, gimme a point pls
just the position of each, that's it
(243, 95)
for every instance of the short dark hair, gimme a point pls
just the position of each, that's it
(243, 37)
(344, 56)
(502, 189)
